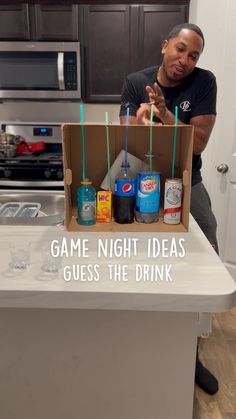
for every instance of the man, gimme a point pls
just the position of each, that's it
(178, 82)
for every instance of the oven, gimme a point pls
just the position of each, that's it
(37, 161)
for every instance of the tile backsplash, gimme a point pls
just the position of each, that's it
(56, 112)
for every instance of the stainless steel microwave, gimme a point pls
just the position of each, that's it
(40, 71)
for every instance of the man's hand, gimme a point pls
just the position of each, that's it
(156, 98)
(144, 113)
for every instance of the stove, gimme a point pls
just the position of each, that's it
(40, 169)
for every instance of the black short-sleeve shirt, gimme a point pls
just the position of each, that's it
(195, 95)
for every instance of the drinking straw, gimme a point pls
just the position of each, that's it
(81, 110)
(108, 151)
(150, 139)
(174, 144)
(126, 137)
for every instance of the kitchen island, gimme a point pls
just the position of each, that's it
(114, 335)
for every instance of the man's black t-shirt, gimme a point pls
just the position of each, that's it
(195, 95)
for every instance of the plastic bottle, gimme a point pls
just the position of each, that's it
(86, 203)
(147, 204)
(124, 196)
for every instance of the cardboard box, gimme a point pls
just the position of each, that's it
(96, 167)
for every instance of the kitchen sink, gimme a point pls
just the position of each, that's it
(51, 211)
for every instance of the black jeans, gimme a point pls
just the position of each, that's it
(201, 211)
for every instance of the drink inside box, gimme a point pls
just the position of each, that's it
(104, 211)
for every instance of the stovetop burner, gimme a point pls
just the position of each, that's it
(46, 165)
(32, 158)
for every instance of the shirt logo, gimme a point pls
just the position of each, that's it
(185, 106)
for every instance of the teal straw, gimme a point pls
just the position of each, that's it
(108, 151)
(175, 140)
(150, 139)
(126, 137)
(81, 110)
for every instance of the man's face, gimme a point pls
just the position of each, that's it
(180, 55)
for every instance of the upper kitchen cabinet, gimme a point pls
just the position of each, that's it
(40, 22)
(155, 22)
(14, 22)
(120, 39)
(106, 50)
(55, 22)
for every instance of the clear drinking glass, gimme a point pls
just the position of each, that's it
(19, 255)
(50, 265)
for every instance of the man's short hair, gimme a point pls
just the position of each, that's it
(178, 28)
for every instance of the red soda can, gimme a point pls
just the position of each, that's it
(172, 201)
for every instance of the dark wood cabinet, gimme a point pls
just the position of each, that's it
(40, 22)
(14, 22)
(156, 21)
(116, 39)
(55, 22)
(106, 51)
(120, 39)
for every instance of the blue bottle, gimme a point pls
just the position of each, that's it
(86, 203)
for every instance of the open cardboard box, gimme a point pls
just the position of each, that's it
(96, 167)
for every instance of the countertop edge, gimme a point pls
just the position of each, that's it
(117, 301)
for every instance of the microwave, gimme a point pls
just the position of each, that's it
(40, 71)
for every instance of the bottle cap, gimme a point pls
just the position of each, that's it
(86, 182)
(125, 165)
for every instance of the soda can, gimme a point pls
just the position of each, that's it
(148, 196)
(172, 201)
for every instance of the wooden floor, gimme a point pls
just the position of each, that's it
(218, 353)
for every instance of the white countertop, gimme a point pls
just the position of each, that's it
(197, 282)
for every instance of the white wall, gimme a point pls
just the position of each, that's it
(218, 21)
(210, 17)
